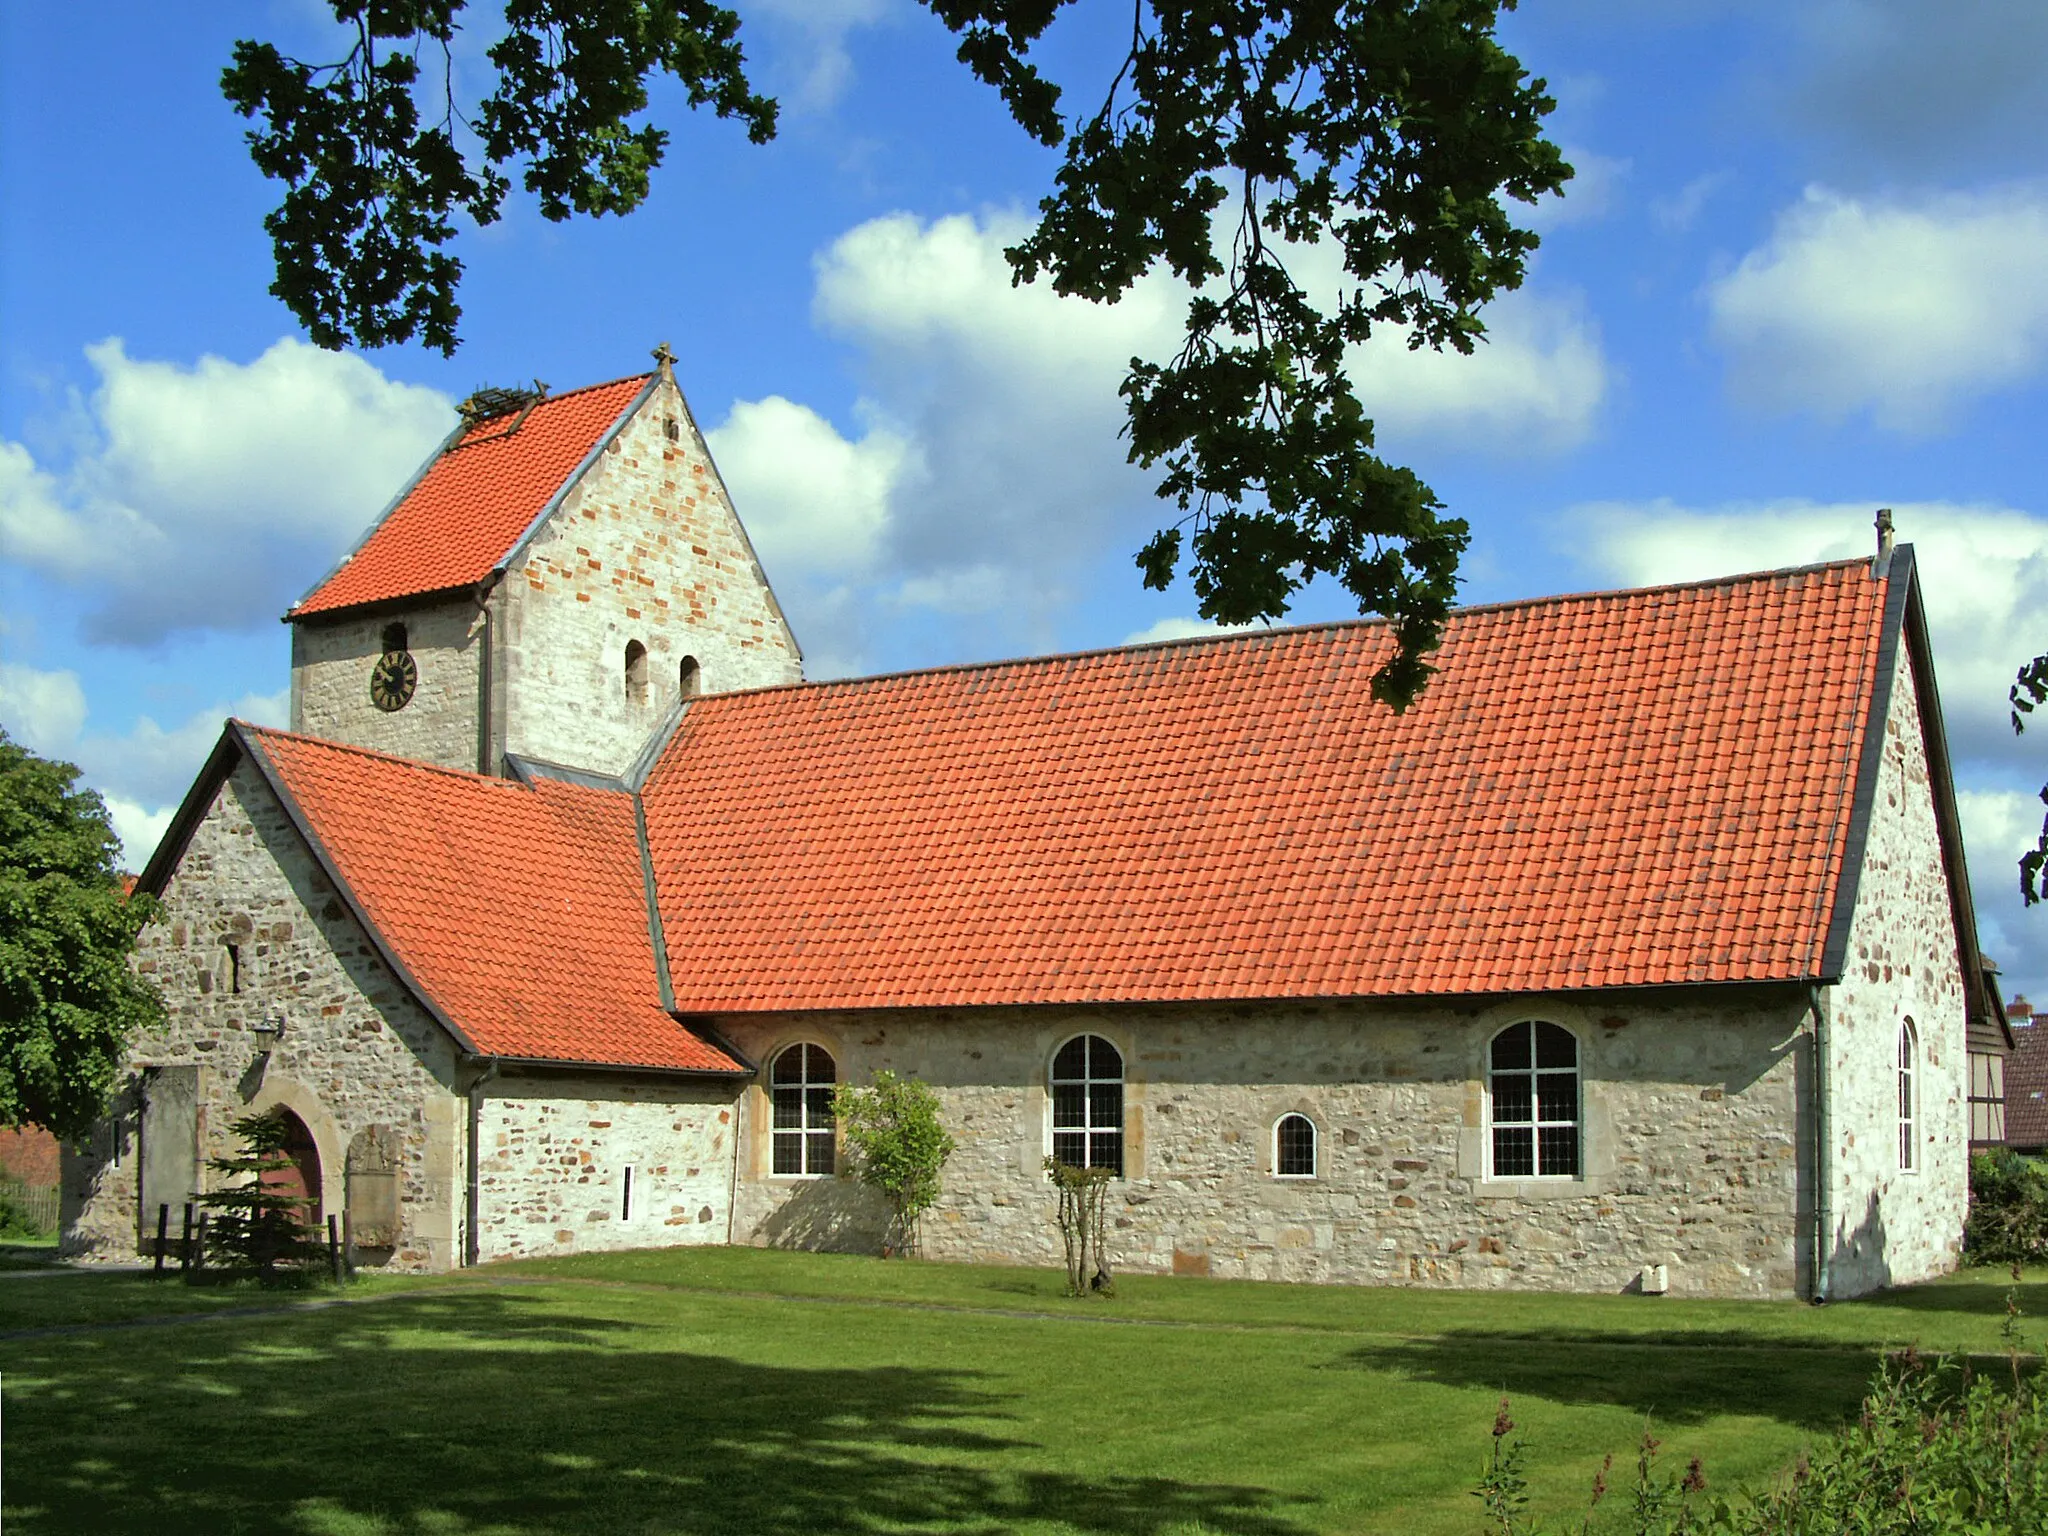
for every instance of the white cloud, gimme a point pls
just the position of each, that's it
(1983, 569)
(1998, 826)
(201, 497)
(1682, 209)
(1907, 309)
(991, 469)
(809, 63)
(1588, 197)
(44, 711)
(141, 775)
(812, 500)
(1178, 629)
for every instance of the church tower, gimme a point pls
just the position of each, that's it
(560, 576)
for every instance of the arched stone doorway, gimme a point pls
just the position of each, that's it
(301, 1180)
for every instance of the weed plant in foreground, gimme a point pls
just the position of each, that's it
(1941, 1448)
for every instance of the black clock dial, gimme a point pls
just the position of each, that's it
(392, 681)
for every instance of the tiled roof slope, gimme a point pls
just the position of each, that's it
(519, 910)
(2026, 1088)
(1620, 789)
(476, 499)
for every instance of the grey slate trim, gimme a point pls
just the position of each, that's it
(654, 929)
(657, 743)
(448, 442)
(746, 538)
(554, 502)
(526, 769)
(1898, 578)
(170, 848)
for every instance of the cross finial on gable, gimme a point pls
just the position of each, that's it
(665, 360)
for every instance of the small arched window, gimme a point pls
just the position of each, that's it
(690, 676)
(1294, 1147)
(1088, 1104)
(636, 672)
(800, 1088)
(394, 638)
(1909, 1102)
(1534, 1082)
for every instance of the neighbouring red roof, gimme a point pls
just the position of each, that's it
(2026, 1088)
(1621, 789)
(475, 501)
(519, 910)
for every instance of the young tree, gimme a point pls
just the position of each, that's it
(899, 1148)
(1230, 136)
(68, 999)
(253, 1226)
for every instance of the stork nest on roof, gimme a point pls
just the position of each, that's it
(491, 401)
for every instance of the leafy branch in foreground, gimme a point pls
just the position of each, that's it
(1312, 170)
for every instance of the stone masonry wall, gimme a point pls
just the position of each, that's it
(646, 548)
(331, 665)
(356, 1051)
(1691, 1138)
(552, 1155)
(1891, 1226)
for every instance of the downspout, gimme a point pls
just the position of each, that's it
(732, 1192)
(1823, 1147)
(472, 1238)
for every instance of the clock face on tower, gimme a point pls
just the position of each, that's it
(392, 681)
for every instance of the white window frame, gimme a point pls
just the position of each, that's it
(1315, 1147)
(804, 1129)
(1536, 1124)
(1909, 1098)
(1088, 1129)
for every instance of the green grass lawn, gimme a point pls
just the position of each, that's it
(734, 1390)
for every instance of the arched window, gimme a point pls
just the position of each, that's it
(800, 1085)
(1294, 1147)
(690, 676)
(636, 672)
(1909, 1103)
(394, 638)
(1534, 1078)
(1088, 1104)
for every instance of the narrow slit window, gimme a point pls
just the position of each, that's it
(395, 638)
(1088, 1104)
(1294, 1147)
(234, 968)
(689, 677)
(1534, 1081)
(626, 1193)
(636, 672)
(1909, 1064)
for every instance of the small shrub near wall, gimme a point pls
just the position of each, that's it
(2008, 1210)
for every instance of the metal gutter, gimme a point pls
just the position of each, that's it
(1823, 1154)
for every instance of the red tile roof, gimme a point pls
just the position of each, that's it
(474, 502)
(519, 910)
(2026, 1087)
(1620, 789)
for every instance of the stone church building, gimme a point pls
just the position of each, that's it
(1637, 955)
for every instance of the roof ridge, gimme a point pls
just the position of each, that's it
(271, 732)
(1248, 633)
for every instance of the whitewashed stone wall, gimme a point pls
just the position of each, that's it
(647, 547)
(331, 665)
(553, 1153)
(1692, 1145)
(1891, 1226)
(357, 1050)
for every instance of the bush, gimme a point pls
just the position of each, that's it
(1939, 1450)
(2008, 1209)
(899, 1148)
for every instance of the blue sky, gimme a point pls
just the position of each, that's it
(1803, 273)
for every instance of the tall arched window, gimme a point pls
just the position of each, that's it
(690, 676)
(1909, 1102)
(1294, 1147)
(800, 1086)
(1534, 1082)
(1088, 1104)
(636, 672)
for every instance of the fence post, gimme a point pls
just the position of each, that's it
(185, 1242)
(199, 1246)
(163, 1233)
(334, 1246)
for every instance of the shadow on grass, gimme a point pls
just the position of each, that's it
(1686, 1379)
(508, 1418)
(1984, 1294)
